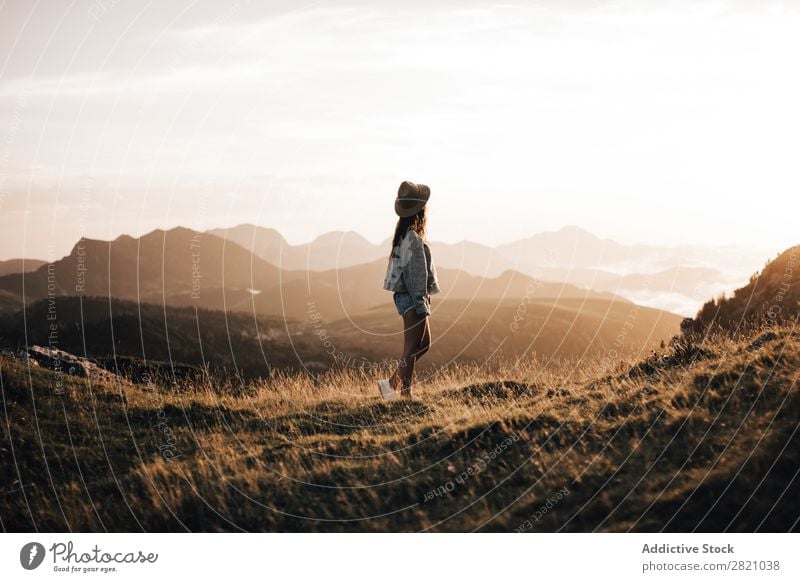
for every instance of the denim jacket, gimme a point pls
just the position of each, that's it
(411, 270)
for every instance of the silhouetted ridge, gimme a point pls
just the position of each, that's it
(770, 297)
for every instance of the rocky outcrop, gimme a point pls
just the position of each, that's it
(59, 360)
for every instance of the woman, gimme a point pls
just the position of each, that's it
(412, 277)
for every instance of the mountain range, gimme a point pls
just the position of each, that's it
(325, 316)
(181, 267)
(322, 304)
(678, 279)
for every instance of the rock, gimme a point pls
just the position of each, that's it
(59, 360)
(56, 359)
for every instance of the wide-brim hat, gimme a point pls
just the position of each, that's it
(411, 198)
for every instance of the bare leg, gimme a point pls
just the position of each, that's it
(416, 341)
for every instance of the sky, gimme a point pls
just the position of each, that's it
(667, 122)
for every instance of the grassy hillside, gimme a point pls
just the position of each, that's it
(698, 437)
(103, 329)
(465, 331)
(546, 328)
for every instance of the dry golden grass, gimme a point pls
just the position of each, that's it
(701, 437)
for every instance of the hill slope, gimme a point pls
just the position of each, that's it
(771, 297)
(703, 438)
(123, 330)
(546, 327)
(465, 331)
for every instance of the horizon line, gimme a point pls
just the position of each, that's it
(574, 227)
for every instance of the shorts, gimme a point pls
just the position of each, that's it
(404, 302)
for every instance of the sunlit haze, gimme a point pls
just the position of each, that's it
(645, 122)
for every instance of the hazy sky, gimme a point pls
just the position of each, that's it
(661, 122)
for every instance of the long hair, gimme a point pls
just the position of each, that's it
(415, 222)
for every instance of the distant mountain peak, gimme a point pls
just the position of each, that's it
(159, 233)
(247, 233)
(337, 237)
(569, 232)
(251, 226)
(576, 232)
